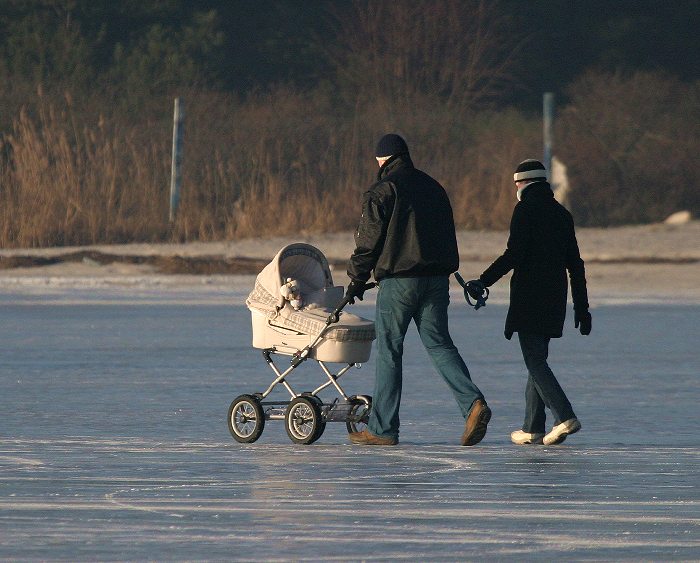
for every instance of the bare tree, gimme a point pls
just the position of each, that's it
(457, 51)
(630, 142)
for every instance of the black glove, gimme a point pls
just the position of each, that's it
(355, 289)
(475, 288)
(582, 321)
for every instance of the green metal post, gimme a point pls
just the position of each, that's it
(176, 163)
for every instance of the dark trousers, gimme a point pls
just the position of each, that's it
(543, 389)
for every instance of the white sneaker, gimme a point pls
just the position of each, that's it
(561, 431)
(520, 437)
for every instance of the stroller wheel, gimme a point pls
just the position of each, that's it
(359, 413)
(304, 421)
(246, 419)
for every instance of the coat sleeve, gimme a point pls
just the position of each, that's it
(577, 273)
(516, 249)
(370, 236)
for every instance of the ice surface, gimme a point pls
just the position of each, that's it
(114, 443)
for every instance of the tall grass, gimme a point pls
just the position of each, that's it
(631, 143)
(286, 163)
(269, 165)
(66, 182)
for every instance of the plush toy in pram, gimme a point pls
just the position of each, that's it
(292, 293)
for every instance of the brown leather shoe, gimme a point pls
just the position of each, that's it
(475, 427)
(368, 439)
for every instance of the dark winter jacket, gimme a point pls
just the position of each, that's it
(542, 246)
(406, 229)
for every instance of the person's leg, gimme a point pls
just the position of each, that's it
(535, 352)
(534, 409)
(393, 315)
(432, 323)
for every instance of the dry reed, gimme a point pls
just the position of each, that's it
(286, 163)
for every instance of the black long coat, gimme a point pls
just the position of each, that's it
(542, 246)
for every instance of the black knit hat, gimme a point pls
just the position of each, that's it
(530, 169)
(390, 145)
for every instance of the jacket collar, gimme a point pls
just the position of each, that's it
(537, 189)
(396, 162)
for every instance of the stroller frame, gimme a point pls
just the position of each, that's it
(305, 414)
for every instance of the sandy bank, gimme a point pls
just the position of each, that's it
(638, 262)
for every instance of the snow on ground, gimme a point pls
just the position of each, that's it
(656, 240)
(652, 263)
(114, 388)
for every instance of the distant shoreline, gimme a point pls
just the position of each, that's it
(656, 262)
(218, 264)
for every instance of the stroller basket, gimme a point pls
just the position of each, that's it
(278, 325)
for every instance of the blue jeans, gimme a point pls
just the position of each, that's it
(423, 300)
(542, 388)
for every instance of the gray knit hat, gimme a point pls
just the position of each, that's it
(529, 170)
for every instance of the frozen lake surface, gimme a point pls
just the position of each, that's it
(114, 444)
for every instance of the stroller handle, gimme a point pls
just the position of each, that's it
(334, 317)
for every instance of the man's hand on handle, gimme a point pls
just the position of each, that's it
(356, 290)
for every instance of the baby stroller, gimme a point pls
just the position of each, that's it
(297, 311)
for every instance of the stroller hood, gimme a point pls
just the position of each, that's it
(299, 261)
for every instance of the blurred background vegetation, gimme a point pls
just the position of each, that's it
(284, 101)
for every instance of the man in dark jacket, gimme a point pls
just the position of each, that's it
(541, 248)
(406, 237)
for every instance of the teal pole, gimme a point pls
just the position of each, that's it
(176, 162)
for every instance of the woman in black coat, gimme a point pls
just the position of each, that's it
(542, 247)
